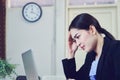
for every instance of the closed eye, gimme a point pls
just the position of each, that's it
(77, 37)
(74, 40)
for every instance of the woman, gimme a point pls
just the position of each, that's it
(103, 52)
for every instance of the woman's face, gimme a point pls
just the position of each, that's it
(85, 39)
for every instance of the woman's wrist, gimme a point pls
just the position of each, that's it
(71, 55)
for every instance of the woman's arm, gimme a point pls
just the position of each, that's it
(69, 67)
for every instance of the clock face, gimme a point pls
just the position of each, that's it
(32, 12)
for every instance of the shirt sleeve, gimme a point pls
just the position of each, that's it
(69, 67)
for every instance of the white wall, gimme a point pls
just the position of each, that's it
(22, 35)
(45, 37)
(60, 35)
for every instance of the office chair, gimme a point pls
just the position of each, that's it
(21, 77)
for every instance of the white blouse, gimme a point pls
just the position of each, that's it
(93, 69)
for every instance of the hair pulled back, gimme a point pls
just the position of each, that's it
(84, 20)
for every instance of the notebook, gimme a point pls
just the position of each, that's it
(29, 65)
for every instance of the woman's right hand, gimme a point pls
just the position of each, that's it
(72, 46)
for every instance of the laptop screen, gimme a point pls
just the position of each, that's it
(29, 65)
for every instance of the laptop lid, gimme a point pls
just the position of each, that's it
(29, 65)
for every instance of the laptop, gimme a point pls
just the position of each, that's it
(29, 65)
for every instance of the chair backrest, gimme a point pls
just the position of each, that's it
(21, 78)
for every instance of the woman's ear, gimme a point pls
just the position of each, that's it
(92, 29)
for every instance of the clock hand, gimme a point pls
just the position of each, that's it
(33, 12)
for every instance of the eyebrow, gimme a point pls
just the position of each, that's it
(75, 35)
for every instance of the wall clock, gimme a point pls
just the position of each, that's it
(32, 12)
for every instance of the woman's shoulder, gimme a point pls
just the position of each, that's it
(115, 44)
(112, 43)
(115, 48)
(111, 47)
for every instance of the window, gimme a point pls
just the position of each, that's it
(82, 2)
(19, 3)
